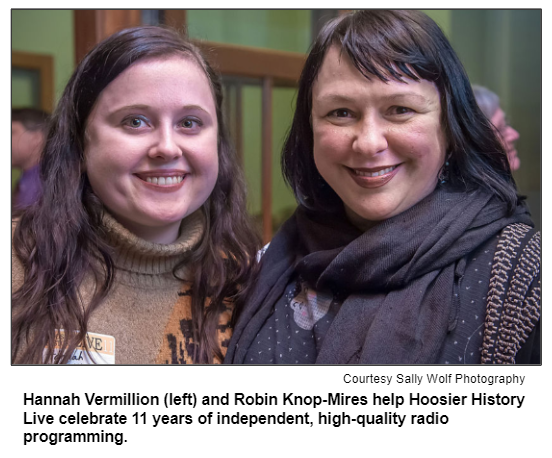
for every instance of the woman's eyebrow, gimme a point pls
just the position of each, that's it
(148, 107)
(408, 96)
(329, 98)
(195, 107)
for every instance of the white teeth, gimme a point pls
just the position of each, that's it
(165, 181)
(375, 174)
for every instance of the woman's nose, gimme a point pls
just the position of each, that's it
(166, 145)
(370, 138)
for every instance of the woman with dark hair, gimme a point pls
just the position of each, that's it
(410, 243)
(141, 239)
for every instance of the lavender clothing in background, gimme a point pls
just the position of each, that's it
(28, 188)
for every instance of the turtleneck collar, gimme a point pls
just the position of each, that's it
(137, 256)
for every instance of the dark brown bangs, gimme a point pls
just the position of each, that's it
(381, 46)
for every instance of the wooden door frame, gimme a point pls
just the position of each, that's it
(92, 26)
(44, 65)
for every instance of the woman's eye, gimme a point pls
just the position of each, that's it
(401, 110)
(342, 113)
(135, 123)
(190, 123)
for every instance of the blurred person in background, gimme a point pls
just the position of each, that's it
(489, 103)
(29, 126)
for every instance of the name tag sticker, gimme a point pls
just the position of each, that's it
(97, 349)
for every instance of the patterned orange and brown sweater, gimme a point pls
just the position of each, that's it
(148, 310)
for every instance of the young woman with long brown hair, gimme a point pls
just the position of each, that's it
(141, 240)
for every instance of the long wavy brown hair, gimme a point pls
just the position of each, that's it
(59, 239)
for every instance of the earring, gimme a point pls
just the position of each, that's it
(444, 173)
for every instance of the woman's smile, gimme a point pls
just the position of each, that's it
(373, 177)
(162, 180)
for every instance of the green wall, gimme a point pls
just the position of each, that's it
(286, 30)
(443, 18)
(44, 32)
(501, 49)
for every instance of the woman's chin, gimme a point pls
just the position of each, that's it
(153, 227)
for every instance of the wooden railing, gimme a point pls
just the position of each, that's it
(272, 69)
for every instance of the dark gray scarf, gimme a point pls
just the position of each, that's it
(398, 276)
